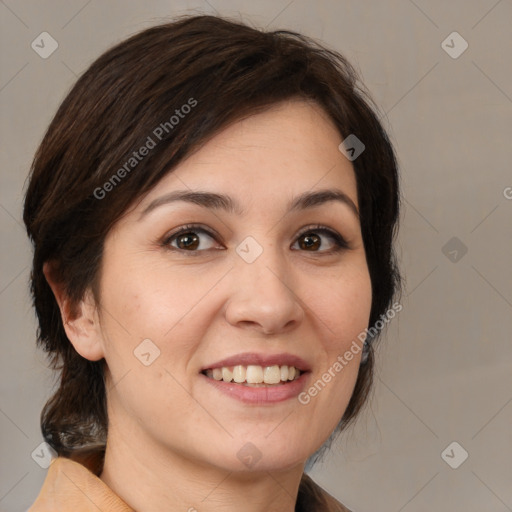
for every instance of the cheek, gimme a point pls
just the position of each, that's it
(343, 308)
(155, 301)
(342, 313)
(151, 333)
(150, 299)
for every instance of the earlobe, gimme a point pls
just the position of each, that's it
(80, 321)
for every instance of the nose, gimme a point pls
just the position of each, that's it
(263, 297)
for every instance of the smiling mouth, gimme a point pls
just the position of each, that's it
(254, 375)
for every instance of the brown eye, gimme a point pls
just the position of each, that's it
(187, 241)
(310, 242)
(312, 239)
(190, 239)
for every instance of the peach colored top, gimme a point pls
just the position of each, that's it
(73, 487)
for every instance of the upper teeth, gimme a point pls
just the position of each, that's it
(254, 374)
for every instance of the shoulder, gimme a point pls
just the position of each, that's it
(312, 498)
(69, 485)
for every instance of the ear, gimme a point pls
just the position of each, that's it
(81, 322)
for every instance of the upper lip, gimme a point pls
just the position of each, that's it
(253, 358)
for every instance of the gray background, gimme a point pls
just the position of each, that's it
(444, 367)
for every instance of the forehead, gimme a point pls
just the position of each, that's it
(277, 154)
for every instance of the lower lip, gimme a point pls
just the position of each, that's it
(260, 395)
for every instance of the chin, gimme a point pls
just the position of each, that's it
(263, 454)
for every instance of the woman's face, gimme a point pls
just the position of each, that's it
(259, 284)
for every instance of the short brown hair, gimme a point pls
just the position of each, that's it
(231, 71)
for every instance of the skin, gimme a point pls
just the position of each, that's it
(173, 438)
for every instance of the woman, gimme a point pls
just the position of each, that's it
(212, 211)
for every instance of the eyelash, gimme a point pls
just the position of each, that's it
(340, 243)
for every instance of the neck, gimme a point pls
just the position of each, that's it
(149, 478)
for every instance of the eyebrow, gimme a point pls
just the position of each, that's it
(216, 201)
